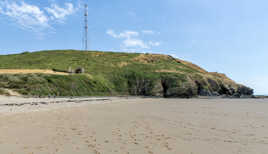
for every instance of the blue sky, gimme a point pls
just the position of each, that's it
(221, 36)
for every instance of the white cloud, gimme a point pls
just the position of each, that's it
(27, 15)
(131, 40)
(132, 43)
(125, 34)
(33, 17)
(60, 13)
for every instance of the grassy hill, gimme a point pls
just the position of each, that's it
(113, 73)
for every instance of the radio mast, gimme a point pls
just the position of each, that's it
(86, 28)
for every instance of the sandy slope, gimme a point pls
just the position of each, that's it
(30, 71)
(135, 126)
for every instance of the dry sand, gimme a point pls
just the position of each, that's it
(133, 126)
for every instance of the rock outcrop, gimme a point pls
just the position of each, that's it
(172, 85)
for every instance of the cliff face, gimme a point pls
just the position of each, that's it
(186, 86)
(109, 73)
(175, 83)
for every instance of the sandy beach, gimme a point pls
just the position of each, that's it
(133, 126)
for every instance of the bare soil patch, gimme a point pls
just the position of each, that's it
(30, 71)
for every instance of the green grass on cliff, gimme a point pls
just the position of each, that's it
(106, 73)
(94, 62)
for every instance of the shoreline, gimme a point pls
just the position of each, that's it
(10, 105)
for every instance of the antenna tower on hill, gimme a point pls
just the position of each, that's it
(86, 29)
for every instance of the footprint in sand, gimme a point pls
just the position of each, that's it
(147, 147)
(92, 146)
(150, 152)
(74, 129)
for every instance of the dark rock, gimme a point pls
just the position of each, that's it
(214, 93)
(79, 71)
(213, 85)
(201, 90)
(226, 90)
(204, 92)
(236, 95)
(232, 90)
(243, 90)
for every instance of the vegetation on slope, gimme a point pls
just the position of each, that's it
(111, 73)
(45, 85)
